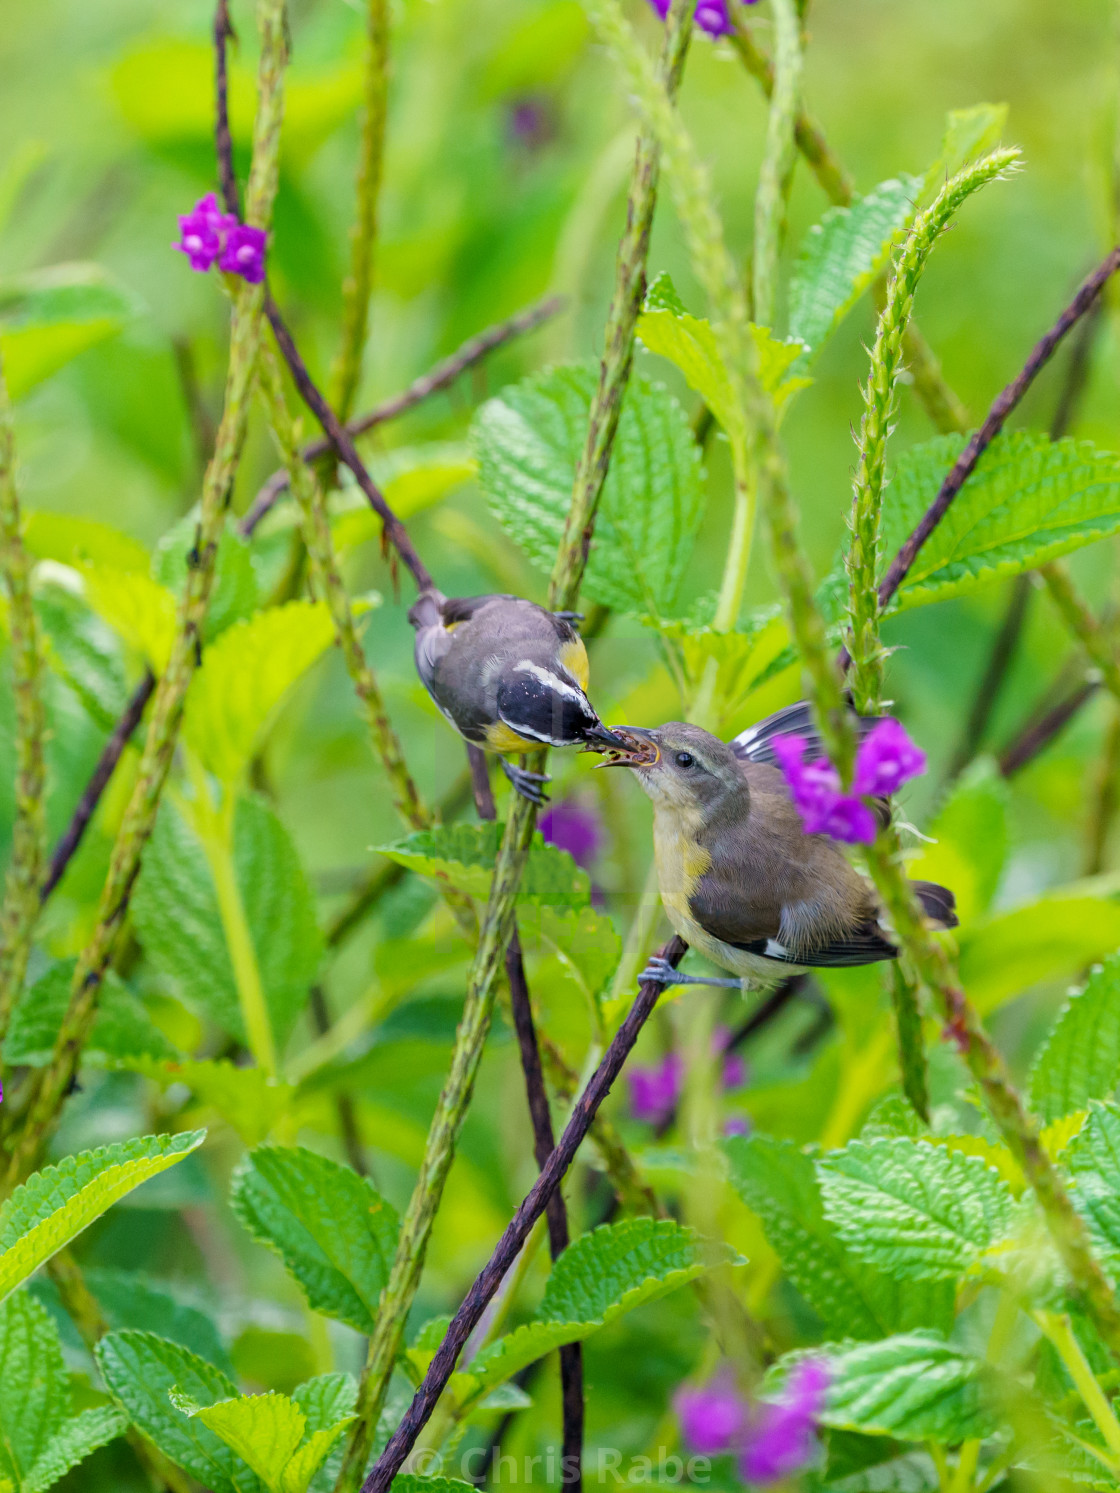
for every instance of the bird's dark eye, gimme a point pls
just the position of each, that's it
(684, 759)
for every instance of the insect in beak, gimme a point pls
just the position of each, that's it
(639, 749)
(599, 739)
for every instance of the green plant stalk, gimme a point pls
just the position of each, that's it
(879, 405)
(1059, 1331)
(346, 371)
(27, 867)
(622, 317)
(53, 1082)
(776, 174)
(911, 1048)
(1084, 626)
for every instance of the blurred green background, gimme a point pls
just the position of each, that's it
(508, 151)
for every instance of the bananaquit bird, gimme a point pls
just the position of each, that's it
(509, 676)
(740, 880)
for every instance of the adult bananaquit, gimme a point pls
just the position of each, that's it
(509, 676)
(740, 880)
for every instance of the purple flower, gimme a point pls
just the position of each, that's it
(712, 16)
(571, 827)
(654, 1091)
(779, 1438)
(201, 230)
(737, 1125)
(244, 252)
(886, 759)
(845, 818)
(734, 1071)
(713, 1418)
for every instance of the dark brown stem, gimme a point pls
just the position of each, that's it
(443, 374)
(965, 464)
(394, 531)
(223, 140)
(1039, 733)
(544, 1143)
(111, 754)
(480, 1295)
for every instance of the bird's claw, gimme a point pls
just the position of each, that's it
(528, 784)
(661, 972)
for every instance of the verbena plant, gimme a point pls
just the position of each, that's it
(865, 1259)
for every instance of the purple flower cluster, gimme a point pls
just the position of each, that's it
(773, 1438)
(207, 234)
(571, 827)
(712, 16)
(886, 759)
(655, 1091)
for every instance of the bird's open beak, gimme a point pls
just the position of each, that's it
(599, 739)
(639, 748)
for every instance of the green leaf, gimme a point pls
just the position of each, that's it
(779, 1182)
(49, 316)
(82, 652)
(129, 1299)
(34, 1390)
(464, 855)
(1053, 938)
(841, 255)
(245, 675)
(1029, 500)
(746, 659)
(140, 1370)
(137, 608)
(667, 329)
(56, 1204)
(970, 840)
(1093, 1160)
(72, 1443)
(600, 1276)
(234, 595)
(412, 478)
(266, 1432)
(175, 910)
(82, 541)
(332, 1229)
(914, 1386)
(968, 133)
(585, 942)
(915, 1210)
(122, 1029)
(1080, 1058)
(326, 1400)
(245, 1097)
(528, 441)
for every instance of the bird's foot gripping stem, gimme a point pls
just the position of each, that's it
(528, 784)
(661, 972)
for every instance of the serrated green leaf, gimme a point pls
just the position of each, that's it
(1054, 938)
(600, 1276)
(528, 441)
(332, 1229)
(414, 1482)
(267, 1432)
(49, 316)
(746, 659)
(34, 1390)
(136, 607)
(1029, 500)
(82, 651)
(245, 675)
(968, 133)
(122, 1029)
(464, 855)
(779, 1182)
(140, 1370)
(915, 1210)
(247, 1098)
(1080, 1058)
(1093, 1160)
(129, 1299)
(842, 254)
(175, 909)
(77, 541)
(234, 595)
(970, 840)
(72, 1443)
(56, 1204)
(914, 1386)
(586, 943)
(326, 1400)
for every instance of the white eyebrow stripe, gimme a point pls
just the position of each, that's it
(553, 681)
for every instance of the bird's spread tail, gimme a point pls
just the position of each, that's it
(427, 609)
(938, 902)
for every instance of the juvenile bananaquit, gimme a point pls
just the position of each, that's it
(509, 676)
(740, 880)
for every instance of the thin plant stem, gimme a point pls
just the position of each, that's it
(53, 1081)
(27, 866)
(1058, 1329)
(1075, 613)
(1105, 800)
(778, 159)
(346, 370)
(1037, 735)
(490, 1278)
(879, 400)
(441, 376)
(911, 1049)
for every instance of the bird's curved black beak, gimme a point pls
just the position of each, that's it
(599, 739)
(639, 748)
